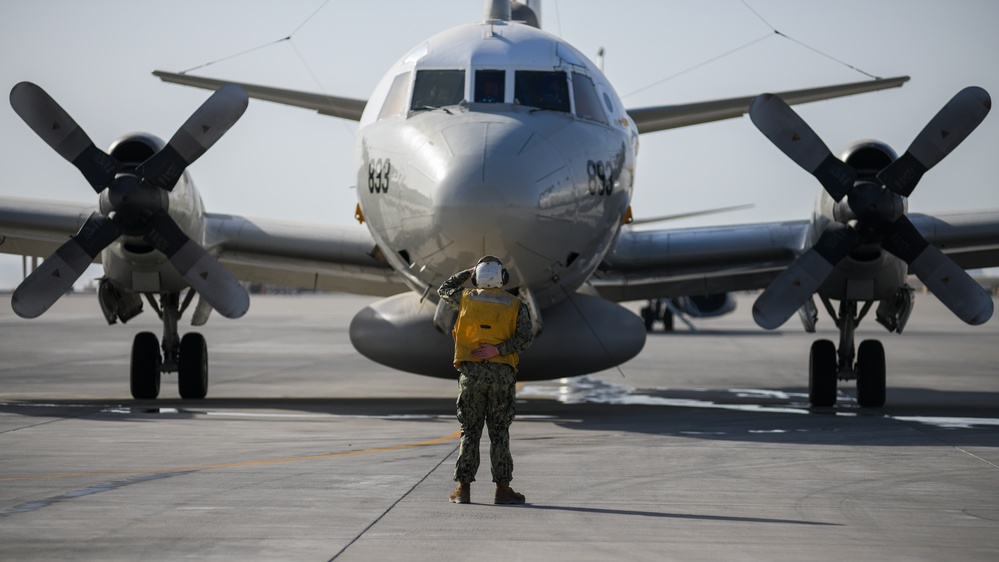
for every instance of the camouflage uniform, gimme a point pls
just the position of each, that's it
(486, 395)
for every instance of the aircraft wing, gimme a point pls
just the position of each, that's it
(36, 227)
(647, 119)
(697, 261)
(294, 254)
(969, 238)
(312, 256)
(346, 108)
(662, 117)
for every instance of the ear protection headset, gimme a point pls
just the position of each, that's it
(493, 274)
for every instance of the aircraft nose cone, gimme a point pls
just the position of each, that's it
(491, 197)
(469, 201)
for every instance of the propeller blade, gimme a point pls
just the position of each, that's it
(201, 271)
(944, 278)
(948, 128)
(58, 272)
(206, 126)
(796, 284)
(789, 132)
(51, 122)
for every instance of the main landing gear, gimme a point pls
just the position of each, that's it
(187, 356)
(658, 310)
(865, 364)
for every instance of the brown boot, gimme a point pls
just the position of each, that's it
(506, 496)
(462, 493)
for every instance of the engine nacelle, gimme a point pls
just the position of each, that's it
(705, 306)
(131, 263)
(582, 335)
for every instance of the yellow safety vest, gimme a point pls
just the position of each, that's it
(486, 316)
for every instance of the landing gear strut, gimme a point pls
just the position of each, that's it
(188, 357)
(826, 365)
(658, 310)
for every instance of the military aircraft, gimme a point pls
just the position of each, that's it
(495, 137)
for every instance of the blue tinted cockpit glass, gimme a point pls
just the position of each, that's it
(438, 88)
(542, 89)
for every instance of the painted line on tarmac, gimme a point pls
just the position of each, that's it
(429, 442)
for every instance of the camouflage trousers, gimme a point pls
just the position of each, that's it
(486, 395)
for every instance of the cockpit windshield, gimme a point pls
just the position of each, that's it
(438, 88)
(490, 86)
(542, 89)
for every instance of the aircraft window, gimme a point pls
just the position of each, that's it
(587, 101)
(438, 88)
(542, 89)
(490, 86)
(607, 102)
(395, 102)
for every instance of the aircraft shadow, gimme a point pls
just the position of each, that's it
(684, 332)
(913, 417)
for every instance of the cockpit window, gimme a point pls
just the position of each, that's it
(587, 101)
(438, 88)
(542, 89)
(490, 86)
(395, 101)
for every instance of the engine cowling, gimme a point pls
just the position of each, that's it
(705, 306)
(582, 335)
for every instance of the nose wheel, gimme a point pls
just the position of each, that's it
(187, 356)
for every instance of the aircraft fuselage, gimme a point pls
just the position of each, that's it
(543, 188)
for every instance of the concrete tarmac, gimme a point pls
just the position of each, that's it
(701, 448)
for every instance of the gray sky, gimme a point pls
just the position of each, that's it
(95, 59)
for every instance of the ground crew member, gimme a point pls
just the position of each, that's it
(493, 327)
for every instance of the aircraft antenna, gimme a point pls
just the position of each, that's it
(294, 48)
(700, 64)
(809, 47)
(773, 32)
(287, 38)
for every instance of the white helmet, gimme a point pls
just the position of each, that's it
(489, 273)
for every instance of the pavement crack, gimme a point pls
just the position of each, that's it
(28, 507)
(59, 419)
(395, 503)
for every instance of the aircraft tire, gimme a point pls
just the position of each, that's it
(144, 375)
(649, 317)
(871, 374)
(668, 320)
(192, 370)
(822, 367)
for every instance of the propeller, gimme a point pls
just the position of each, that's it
(876, 208)
(137, 202)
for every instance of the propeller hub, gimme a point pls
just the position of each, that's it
(134, 201)
(875, 208)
